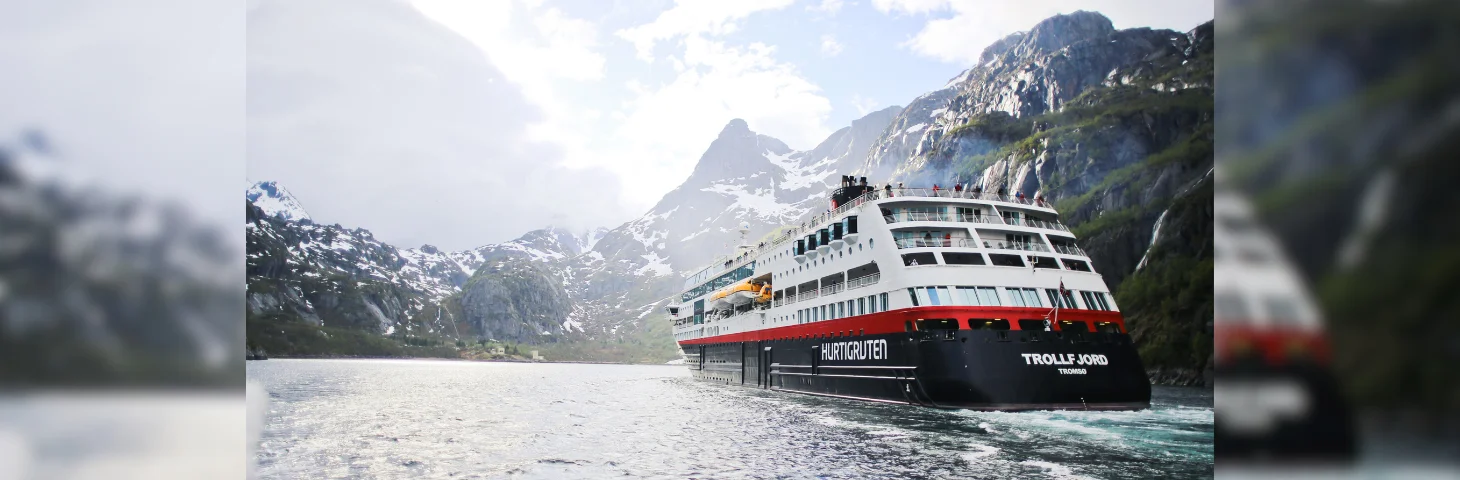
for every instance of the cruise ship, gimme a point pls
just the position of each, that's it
(947, 298)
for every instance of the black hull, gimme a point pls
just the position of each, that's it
(967, 369)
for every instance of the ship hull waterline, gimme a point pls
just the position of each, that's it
(1006, 370)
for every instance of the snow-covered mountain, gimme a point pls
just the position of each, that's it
(107, 285)
(743, 178)
(329, 275)
(276, 201)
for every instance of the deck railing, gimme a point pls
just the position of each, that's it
(967, 194)
(863, 281)
(1036, 223)
(832, 289)
(818, 221)
(1025, 247)
(964, 218)
(936, 242)
(1070, 250)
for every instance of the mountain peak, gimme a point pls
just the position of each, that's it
(1063, 30)
(736, 125)
(275, 201)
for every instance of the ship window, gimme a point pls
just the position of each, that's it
(1095, 300)
(1005, 260)
(869, 242)
(907, 325)
(956, 258)
(924, 258)
(988, 296)
(861, 331)
(1015, 297)
(1031, 297)
(912, 294)
(1230, 307)
(1283, 310)
(1046, 262)
(1066, 300)
(1074, 326)
(922, 294)
(1033, 324)
(965, 296)
(988, 324)
(1107, 327)
(1077, 265)
(885, 306)
(861, 306)
(937, 324)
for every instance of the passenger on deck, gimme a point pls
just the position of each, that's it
(958, 188)
(935, 189)
(1019, 195)
(889, 189)
(978, 189)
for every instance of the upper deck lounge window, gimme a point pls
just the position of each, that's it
(986, 296)
(1229, 306)
(1024, 297)
(1095, 300)
(1067, 300)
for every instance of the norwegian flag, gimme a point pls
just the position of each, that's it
(1062, 288)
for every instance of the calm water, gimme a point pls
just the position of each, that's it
(451, 419)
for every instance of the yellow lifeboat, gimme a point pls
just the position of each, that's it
(741, 294)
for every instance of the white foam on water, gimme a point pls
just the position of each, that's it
(1054, 470)
(983, 451)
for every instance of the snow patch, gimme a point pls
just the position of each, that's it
(761, 202)
(655, 265)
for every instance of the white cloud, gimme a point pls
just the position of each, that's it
(863, 105)
(145, 97)
(530, 44)
(830, 7)
(378, 118)
(911, 7)
(971, 25)
(691, 17)
(829, 46)
(666, 128)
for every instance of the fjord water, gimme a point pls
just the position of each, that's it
(458, 419)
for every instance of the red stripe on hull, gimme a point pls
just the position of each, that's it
(892, 321)
(1274, 345)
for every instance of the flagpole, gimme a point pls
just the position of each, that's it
(1061, 295)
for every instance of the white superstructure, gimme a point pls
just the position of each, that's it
(893, 249)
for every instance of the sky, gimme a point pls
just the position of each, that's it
(460, 122)
(138, 99)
